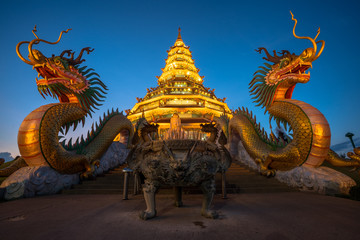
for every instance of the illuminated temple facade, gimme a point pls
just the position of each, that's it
(180, 93)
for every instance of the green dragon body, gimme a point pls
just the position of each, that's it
(79, 91)
(272, 88)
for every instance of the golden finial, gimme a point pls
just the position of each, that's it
(179, 35)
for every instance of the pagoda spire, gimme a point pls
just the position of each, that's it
(179, 64)
(179, 35)
(179, 41)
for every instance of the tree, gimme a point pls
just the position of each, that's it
(350, 135)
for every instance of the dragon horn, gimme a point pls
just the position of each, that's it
(313, 57)
(190, 151)
(274, 59)
(78, 60)
(37, 41)
(21, 43)
(321, 49)
(168, 150)
(19, 54)
(68, 52)
(284, 52)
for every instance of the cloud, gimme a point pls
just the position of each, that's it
(346, 146)
(7, 156)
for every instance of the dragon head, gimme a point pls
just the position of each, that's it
(278, 80)
(63, 78)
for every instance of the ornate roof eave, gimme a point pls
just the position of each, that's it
(167, 96)
(182, 60)
(175, 78)
(178, 109)
(172, 47)
(178, 56)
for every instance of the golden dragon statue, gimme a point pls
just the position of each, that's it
(79, 90)
(272, 87)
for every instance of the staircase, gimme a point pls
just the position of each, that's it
(239, 179)
(111, 182)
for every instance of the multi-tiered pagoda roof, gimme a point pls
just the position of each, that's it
(180, 90)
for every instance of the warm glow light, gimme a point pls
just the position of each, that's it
(184, 94)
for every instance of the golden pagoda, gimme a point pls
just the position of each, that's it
(180, 92)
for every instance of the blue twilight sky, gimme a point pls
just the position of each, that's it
(131, 38)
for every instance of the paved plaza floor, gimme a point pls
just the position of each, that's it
(280, 216)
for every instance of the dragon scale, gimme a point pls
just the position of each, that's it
(39, 143)
(272, 87)
(309, 144)
(79, 90)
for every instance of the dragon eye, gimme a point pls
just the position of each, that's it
(307, 53)
(284, 63)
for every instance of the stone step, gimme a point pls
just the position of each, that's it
(239, 179)
(105, 180)
(91, 191)
(169, 190)
(98, 186)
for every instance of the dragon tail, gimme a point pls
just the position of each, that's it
(17, 163)
(334, 159)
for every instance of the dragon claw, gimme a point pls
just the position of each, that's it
(270, 173)
(85, 175)
(267, 172)
(95, 163)
(264, 169)
(90, 169)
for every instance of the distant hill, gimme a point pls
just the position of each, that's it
(7, 156)
(345, 146)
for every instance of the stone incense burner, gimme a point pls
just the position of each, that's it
(179, 163)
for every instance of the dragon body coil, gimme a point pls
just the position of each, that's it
(272, 87)
(79, 91)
